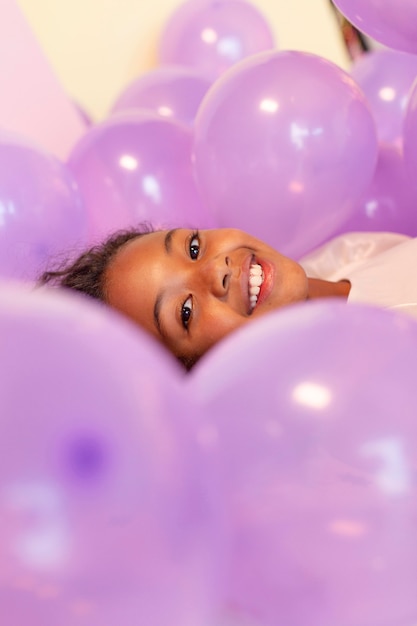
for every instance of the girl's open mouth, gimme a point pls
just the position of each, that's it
(256, 278)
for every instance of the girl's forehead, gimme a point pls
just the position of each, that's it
(149, 243)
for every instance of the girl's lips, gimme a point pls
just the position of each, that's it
(266, 287)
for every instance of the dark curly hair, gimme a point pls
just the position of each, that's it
(87, 273)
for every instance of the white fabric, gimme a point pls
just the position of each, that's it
(381, 267)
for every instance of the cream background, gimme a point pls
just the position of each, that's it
(97, 47)
(32, 102)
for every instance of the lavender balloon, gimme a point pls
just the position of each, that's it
(102, 507)
(388, 21)
(386, 77)
(389, 204)
(311, 416)
(136, 167)
(213, 35)
(41, 209)
(172, 92)
(410, 138)
(285, 144)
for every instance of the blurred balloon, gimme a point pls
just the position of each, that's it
(102, 507)
(285, 144)
(410, 138)
(172, 92)
(136, 167)
(388, 21)
(386, 77)
(85, 117)
(41, 210)
(213, 35)
(310, 417)
(390, 202)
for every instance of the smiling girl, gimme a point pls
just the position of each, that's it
(191, 288)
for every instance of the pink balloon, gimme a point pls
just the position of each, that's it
(285, 144)
(388, 21)
(33, 102)
(173, 92)
(213, 35)
(83, 114)
(389, 204)
(386, 77)
(310, 416)
(136, 167)
(41, 209)
(103, 509)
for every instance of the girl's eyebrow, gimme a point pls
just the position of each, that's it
(168, 240)
(160, 296)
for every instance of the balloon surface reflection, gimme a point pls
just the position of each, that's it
(386, 77)
(410, 138)
(213, 35)
(311, 414)
(281, 141)
(390, 23)
(136, 167)
(102, 507)
(174, 92)
(41, 209)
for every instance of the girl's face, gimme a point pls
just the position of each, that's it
(191, 288)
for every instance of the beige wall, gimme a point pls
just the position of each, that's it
(98, 46)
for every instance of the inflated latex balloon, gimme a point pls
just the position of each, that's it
(173, 92)
(285, 144)
(386, 77)
(310, 417)
(102, 506)
(410, 138)
(389, 204)
(136, 167)
(213, 35)
(84, 115)
(391, 22)
(41, 209)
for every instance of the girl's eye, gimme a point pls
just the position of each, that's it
(194, 246)
(186, 312)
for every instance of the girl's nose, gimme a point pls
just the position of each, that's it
(216, 274)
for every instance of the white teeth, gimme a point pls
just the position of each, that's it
(256, 278)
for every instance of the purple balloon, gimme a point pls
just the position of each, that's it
(391, 22)
(172, 92)
(213, 35)
(310, 416)
(41, 209)
(410, 138)
(103, 509)
(136, 167)
(389, 204)
(386, 77)
(285, 144)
